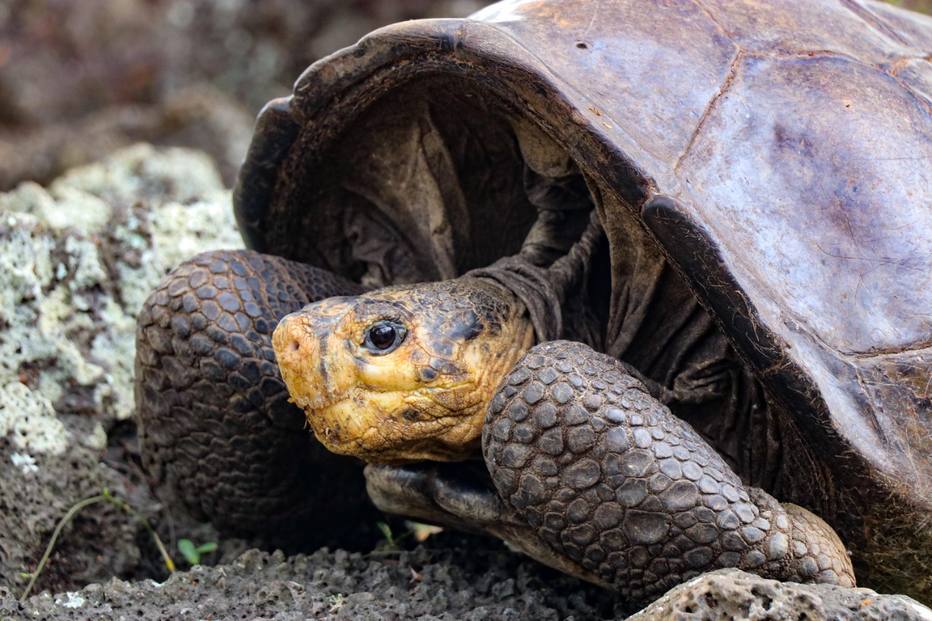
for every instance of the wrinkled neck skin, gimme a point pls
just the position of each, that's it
(424, 400)
(473, 351)
(543, 285)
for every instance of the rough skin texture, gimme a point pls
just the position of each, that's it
(616, 483)
(218, 432)
(424, 399)
(601, 479)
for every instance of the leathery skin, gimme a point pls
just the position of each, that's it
(611, 480)
(219, 436)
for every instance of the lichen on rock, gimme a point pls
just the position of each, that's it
(77, 260)
(28, 419)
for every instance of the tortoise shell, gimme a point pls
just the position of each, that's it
(777, 154)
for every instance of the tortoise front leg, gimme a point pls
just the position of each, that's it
(616, 484)
(219, 436)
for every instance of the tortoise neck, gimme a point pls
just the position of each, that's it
(544, 290)
(531, 286)
(567, 274)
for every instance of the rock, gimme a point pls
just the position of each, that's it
(43, 474)
(454, 577)
(733, 594)
(77, 259)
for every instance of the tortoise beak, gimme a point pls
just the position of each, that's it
(300, 351)
(319, 375)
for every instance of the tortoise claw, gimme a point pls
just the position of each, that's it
(462, 498)
(438, 493)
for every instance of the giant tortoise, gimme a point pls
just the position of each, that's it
(678, 264)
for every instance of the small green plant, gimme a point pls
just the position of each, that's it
(336, 602)
(390, 542)
(192, 553)
(107, 497)
(416, 530)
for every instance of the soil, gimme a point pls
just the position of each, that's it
(450, 577)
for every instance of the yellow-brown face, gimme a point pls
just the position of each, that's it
(404, 373)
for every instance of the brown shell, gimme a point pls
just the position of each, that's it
(780, 152)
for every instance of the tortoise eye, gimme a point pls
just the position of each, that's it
(384, 337)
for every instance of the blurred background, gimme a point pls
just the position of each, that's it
(81, 78)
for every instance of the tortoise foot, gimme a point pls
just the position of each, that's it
(450, 495)
(219, 436)
(461, 496)
(617, 485)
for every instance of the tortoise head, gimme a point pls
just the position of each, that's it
(404, 373)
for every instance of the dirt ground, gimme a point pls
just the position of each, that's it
(450, 578)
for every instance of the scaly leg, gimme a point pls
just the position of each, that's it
(615, 483)
(218, 433)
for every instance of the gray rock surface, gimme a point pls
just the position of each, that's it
(76, 261)
(457, 581)
(733, 594)
(453, 583)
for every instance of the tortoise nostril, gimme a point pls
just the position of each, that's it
(295, 345)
